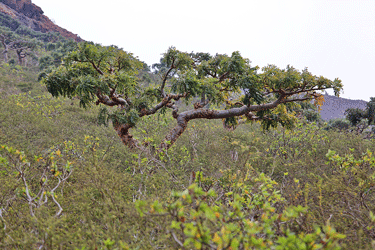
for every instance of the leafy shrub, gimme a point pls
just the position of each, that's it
(339, 124)
(241, 214)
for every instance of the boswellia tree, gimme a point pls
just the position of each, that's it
(218, 87)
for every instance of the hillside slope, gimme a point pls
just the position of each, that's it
(110, 184)
(334, 107)
(30, 15)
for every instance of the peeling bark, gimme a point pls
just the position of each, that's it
(125, 136)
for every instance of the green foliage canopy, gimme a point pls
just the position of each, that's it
(219, 87)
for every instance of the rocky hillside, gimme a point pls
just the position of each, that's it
(334, 107)
(30, 15)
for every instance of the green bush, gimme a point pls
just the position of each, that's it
(239, 213)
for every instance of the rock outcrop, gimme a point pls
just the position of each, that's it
(334, 107)
(32, 16)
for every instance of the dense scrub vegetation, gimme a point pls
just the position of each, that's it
(67, 182)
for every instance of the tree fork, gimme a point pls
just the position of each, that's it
(203, 113)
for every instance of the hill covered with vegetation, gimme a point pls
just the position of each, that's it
(335, 107)
(23, 13)
(67, 182)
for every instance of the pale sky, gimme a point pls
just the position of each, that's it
(333, 38)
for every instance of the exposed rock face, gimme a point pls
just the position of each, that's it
(25, 7)
(32, 16)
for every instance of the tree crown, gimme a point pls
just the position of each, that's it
(221, 87)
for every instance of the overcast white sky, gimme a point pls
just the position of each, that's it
(333, 38)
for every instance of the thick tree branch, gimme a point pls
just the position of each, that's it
(123, 131)
(113, 101)
(185, 117)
